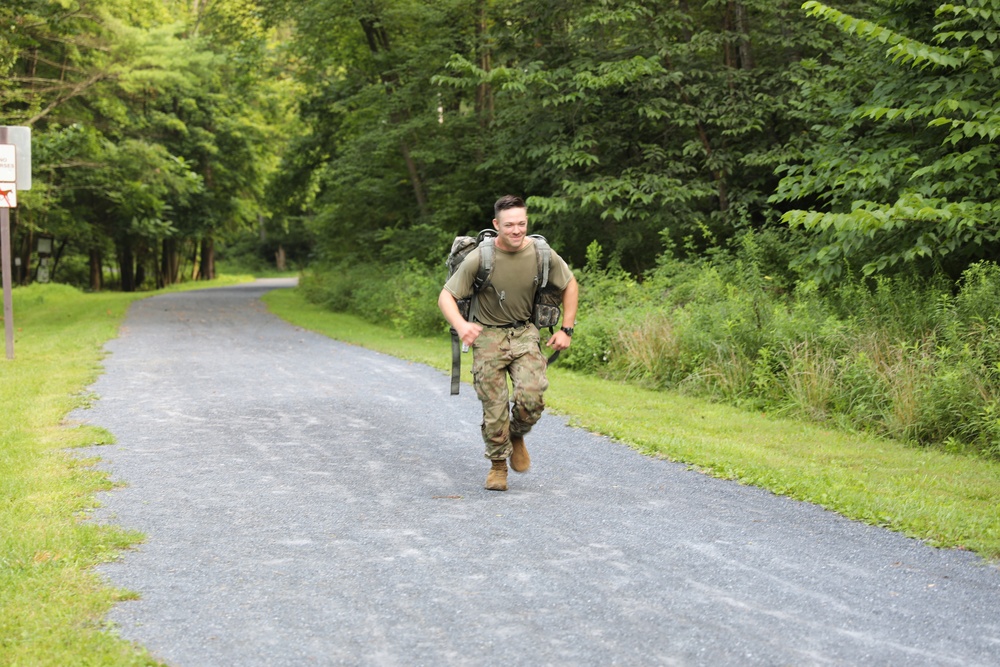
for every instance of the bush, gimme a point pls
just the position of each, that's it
(401, 295)
(899, 357)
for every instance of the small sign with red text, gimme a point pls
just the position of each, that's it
(8, 176)
(8, 195)
(8, 163)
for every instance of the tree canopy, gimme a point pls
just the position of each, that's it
(860, 136)
(907, 175)
(156, 128)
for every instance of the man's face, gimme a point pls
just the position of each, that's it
(512, 227)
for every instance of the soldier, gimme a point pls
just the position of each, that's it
(503, 339)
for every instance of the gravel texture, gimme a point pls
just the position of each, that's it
(308, 502)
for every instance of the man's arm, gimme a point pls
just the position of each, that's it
(468, 332)
(570, 298)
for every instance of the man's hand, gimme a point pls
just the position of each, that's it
(559, 341)
(468, 332)
(570, 297)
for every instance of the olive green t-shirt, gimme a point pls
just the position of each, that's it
(510, 295)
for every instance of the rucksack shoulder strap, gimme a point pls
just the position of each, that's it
(487, 258)
(487, 255)
(543, 256)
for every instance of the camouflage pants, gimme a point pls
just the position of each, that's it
(498, 353)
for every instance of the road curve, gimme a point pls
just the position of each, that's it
(308, 502)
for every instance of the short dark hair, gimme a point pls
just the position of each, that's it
(506, 202)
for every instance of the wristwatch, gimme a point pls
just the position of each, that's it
(567, 330)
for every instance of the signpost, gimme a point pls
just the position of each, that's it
(15, 174)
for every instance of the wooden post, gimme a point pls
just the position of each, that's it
(8, 305)
(8, 298)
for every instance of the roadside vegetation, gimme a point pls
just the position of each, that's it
(52, 604)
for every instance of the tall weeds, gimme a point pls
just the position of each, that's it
(810, 380)
(913, 360)
(650, 351)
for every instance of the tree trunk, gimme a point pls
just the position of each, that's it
(484, 93)
(728, 21)
(719, 174)
(22, 258)
(56, 256)
(194, 261)
(126, 267)
(170, 261)
(160, 270)
(96, 272)
(418, 186)
(24, 271)
(742, 25)
(378, 42)
(736, 25)
(140, 268)
(175, 264)
(206, 269)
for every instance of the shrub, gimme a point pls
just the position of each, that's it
(649, 350)
(332, 287)
(415, 290)
(401, 295)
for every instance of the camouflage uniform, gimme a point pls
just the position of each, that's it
(497, 353)
(502, 350)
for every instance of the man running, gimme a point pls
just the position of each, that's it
(503, 339)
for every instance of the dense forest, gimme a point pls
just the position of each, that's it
(861, 136)
(784, 205)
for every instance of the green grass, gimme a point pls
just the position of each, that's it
(948, 500)
(52, 604)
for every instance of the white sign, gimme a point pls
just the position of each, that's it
(8, 163)
(21, 138)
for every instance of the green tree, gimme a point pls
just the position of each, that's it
(385, 168)
(162, 138)
(905, 178)
(109, 197)
(651, 127)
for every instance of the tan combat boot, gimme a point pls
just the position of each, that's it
(496, 480)
(519, 459)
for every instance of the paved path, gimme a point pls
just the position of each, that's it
(312, 503)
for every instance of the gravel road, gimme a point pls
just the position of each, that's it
(308, 502)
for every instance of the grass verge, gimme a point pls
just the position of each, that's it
(52, 604)
(947, 500)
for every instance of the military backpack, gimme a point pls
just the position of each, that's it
(547, 302)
